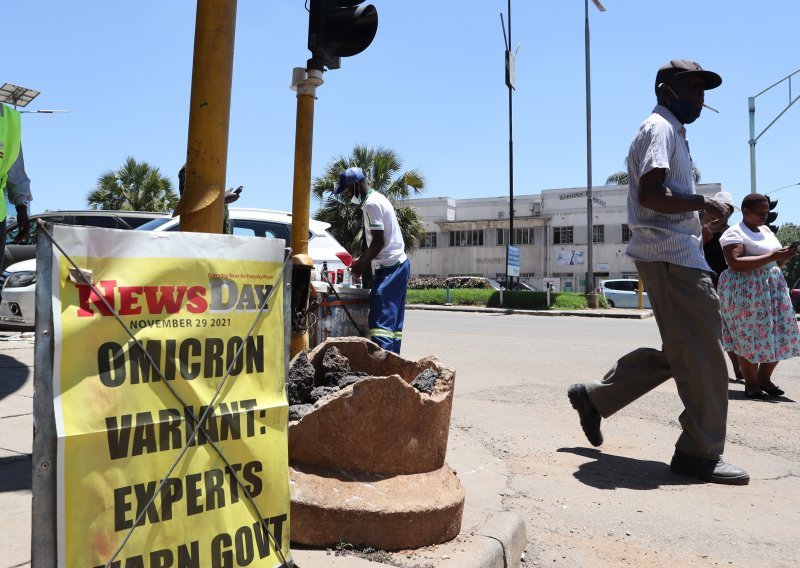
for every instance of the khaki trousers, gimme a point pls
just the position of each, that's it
(686, 307)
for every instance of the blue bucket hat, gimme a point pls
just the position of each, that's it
(348, 178)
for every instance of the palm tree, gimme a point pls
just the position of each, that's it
(382, 167)
(136, 186)
(621, 177)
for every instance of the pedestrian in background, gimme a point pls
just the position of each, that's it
(14, 182)
(760, 325)
(666, 244)
(712, 250)
(385, 256)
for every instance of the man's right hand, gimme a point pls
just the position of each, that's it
(715, 210)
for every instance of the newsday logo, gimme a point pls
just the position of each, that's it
(220, 296)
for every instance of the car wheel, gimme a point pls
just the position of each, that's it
(610, 303)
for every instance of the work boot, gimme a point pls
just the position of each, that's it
(710, 470)
(590, 417)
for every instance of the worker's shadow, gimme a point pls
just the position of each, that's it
(608, 471)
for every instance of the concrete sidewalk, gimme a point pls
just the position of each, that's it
(489, 537)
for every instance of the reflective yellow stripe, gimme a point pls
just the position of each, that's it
(398, 334)
(378, 332)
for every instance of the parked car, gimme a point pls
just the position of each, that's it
(623, 293)
(18, 286)
(322, 246)
(100, 218)
(17, 283)
(517, 285)
(794, 293)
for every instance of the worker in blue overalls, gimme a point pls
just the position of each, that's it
(385, 255)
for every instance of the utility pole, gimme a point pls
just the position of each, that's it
(511, 84)
(589, 212)
(200, 206)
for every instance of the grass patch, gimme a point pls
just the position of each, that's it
(491, 298)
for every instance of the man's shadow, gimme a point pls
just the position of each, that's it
(13, 375)
(16, 473)
(617, 472)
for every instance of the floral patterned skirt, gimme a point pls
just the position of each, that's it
(760, 324)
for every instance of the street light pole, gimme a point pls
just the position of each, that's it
(589, 214)
(510, 83)
(751, 107)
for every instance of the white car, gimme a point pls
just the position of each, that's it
(623, 293)
(17, 293)
(17, 283)
(322, 246)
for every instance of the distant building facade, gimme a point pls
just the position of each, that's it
(468, 237)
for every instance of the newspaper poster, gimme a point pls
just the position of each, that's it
(126, 412)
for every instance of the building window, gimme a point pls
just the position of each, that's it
(598, 233)
(626, 233)
(428, 241)
(562, 235)
(522, 236)
(469, 238)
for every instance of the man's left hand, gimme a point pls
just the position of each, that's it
(23, 224)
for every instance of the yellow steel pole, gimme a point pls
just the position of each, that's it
(305, 82)
(200, 206)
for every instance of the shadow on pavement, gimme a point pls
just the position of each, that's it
(739, 395)
(618, 472)
(12, 375)
(16, 473)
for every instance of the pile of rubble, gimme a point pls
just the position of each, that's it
(304, 388)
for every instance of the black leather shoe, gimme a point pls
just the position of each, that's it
(712, 471)
(590, 418)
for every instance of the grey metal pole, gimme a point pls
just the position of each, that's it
(510, 157)
(589, 220)
(751, 107)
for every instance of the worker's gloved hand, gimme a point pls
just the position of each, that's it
(23, 225)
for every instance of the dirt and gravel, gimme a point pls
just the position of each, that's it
(617, 505)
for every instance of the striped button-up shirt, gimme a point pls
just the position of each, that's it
(675, 238)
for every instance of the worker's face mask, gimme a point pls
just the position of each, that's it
(356, 198)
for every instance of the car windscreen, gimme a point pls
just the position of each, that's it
(13, 230)
(154, 224)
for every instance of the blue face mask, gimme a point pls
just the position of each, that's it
(356, 199)
(684, 111)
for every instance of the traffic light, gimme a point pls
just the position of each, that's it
(339, 28)
(772, 215)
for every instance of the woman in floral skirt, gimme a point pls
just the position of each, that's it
(760, 325)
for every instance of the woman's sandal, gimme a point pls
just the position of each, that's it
(755, 395)
(774, 391)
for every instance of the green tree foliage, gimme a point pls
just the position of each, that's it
(383, 168)
(136, 186)
(787, 234)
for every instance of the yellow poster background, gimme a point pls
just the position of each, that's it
(121, 429)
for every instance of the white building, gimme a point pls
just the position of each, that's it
(469, 236)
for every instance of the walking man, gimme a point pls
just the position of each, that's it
(385, 256)
(14, 183)
(666, 245)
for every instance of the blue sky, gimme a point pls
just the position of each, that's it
(430, 87)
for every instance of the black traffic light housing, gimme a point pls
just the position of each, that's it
(339, 28)
(773, 203)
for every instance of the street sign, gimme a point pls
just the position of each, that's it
(512, 268)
